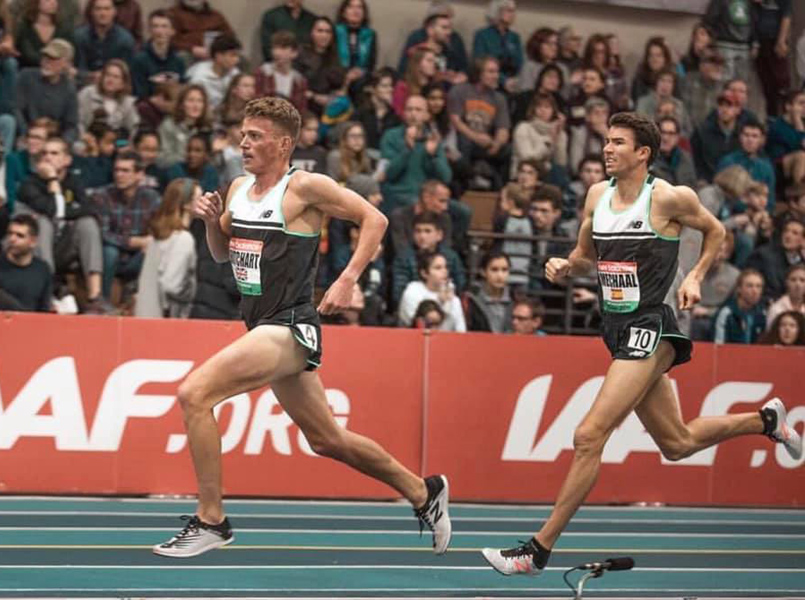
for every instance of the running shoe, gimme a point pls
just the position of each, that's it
(434, 514)
(521, 560)
(776, 427)
(196, 538)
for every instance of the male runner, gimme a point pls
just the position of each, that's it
(630, 232)
(269, 230)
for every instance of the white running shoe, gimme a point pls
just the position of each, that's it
(514, 561)
(196, 538)
(435, 513)
(774, 421)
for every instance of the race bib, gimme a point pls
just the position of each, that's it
(245, 258)
(620, 288)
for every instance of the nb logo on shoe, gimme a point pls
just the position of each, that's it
(436, 512)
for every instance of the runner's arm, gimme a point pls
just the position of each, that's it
(220, 230)
(689, 212)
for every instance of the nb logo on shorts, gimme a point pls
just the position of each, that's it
(637, 353)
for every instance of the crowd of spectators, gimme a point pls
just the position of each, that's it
(112, 122)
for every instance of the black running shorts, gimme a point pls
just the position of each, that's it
(304, 322)
(636, 335)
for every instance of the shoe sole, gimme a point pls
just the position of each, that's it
(446, 516)
(214, 546)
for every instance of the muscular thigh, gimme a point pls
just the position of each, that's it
(302, 396)
(265, 354)
(660, 413)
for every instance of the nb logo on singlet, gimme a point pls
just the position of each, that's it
(635, 225)
(267, 214)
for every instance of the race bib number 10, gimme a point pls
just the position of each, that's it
(245, 258)
(619, 286)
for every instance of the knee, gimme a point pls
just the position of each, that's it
(88, 226)
(676, 449)
(330, 444)
(191, 395)
(589, 439)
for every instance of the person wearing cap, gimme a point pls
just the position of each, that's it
(48, 91)
(701, 87)
(454, 50)
(716, 137)
(101, 40)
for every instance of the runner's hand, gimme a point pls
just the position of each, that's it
(557, 269)
(209, 208)
(338, 298)
(689, 293)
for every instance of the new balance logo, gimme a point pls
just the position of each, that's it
(436, 512)
(635, 225)
(267, 214)
(637, 353)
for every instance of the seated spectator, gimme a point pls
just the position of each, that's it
(591, 171)
(701, 41)
(146, 144)
(197, 166)
(602, 55)
(498, 41)
(593, 85)
(242, 89)
(489, 305)
(541, 49)
(514, 220)
(19, 162)
(741, 320)
(434, 197)
(529, 173)
(226, 156)
(317, 59)
(480, 116)
(775, 258)
(740, 92)
(217, 295)
(794, 297)
(440, 120)
(414, 153)
(308, 155)
(656, 58)
(215, 74)
(126, 209)
(750, 156)
(190, 116)
(527, 317)
(197, 24)
(158, 62)
(167, 282)
(289, 16)
(663, 90)
(617, 84)
(376, 114)
(451, 52)
(590, 137)
(278, 77)
(68, 227)
(48, 91)
(427, 237)
(420, 73)
(101, 40)
(724, 197)
(40, 24)
(339, 108)
(786, 140)
(8, 64)
(702, 87)
(716, 288)
(716, 137)
(109, 100)
(546, 214)
(129, 15)
(351, 156)
(429, 315)
(435, 285)
(551, 81)
(93, 163)
(356, 42)
(25, 280)
(794, 208)
(542, 137)
(787, 329)
(154, 109)
(570, 43)
(673, 164)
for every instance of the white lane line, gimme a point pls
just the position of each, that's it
(599, 588)
(375, 567)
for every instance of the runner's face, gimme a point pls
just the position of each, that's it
(620, 154)
(263, 144)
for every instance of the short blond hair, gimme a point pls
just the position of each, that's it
(733, 180)
(277, 110)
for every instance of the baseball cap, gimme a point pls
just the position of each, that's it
(58, 48)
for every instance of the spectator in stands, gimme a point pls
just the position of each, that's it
(591, 171)
(772, 27)
(242, 89)
(25, 280)
(197, 24)
(278, 77)
(215, 74)
(376, 114)
(19, 162)
(129, 15)
(414, 153)
(551, 81)
(68, 228)
(167, 282)
(308, 154)
(435, 285)
(589, 138)
(126, 209)
(786, 140)
(701, 40)
(716, 288)
(428, 236)
(617, 84)
(749, 155)
(39, 25)
(101, 40)
(541, 49)
(190, 116)
(158, 61)
(92, 163)
(351, 156)
(788, 329)
(598, 59)
(356, 41)
(436, 96)
(775, 258)
(109, 100)
(339, 108)
(546, 213)
(742, 319)
(438, 23)
(656, 58)
(800, 60)
(794, 297)
(316, 61)
(527, 317)
(673, 164)
(429, 315)
(514, 220)
(794, 208)
(154, 109)
(8, 63)
(197, 166)
(716, 137)
(740, 92)
(146, 144)
(731, 24)
(489, 305)
(339, 231)
(421, 72)
(702, 87)
(570, 43)
(664, 83)
(289, 16)
(593, 85)
(434, 197)
(498, 41)
(217, 295)
(542, 137)
(48, 91)
(480, 116)
(226, 156)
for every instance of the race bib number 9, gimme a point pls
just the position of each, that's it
(620, 288)
(245, 258)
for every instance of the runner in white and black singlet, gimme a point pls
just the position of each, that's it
(630, 235)
(269, 230)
